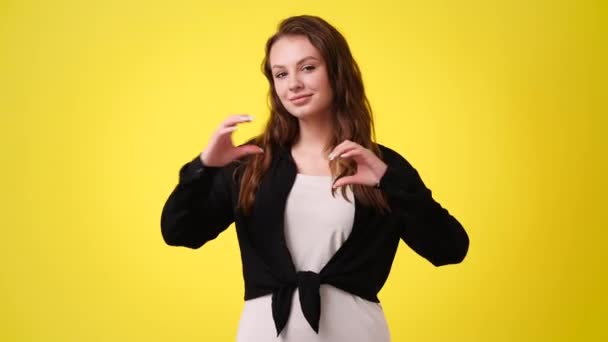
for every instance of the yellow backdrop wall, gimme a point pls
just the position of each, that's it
(500, 105)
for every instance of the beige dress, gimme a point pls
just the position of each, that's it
(316, 225)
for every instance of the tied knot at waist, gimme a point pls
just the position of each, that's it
(308, 284)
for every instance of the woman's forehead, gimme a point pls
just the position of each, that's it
(291, 50)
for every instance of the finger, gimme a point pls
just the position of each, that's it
(351, 153)
(236, 119)
(344, 143)
(244, 150)
(341, 148)
(345, 149)
(226, 130)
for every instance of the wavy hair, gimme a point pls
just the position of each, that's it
(351, 112)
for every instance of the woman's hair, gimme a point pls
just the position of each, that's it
(351, 112)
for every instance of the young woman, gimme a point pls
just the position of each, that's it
(319, 207)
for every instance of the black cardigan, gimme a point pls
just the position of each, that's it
(203, 204)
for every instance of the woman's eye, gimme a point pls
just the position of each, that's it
(279, 75)
(309, 67)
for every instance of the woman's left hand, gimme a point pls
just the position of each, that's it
(370, 168)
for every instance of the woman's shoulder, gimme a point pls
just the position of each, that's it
(392, 156)
(388, 152)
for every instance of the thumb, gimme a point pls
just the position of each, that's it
(344, 181)
(247, 149)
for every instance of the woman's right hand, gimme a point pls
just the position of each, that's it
(221, 151)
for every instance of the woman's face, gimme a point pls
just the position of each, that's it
(300, 77)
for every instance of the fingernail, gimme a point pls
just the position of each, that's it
(332, 156)
(249, 117)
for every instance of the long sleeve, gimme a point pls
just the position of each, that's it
(199, 208)
(428, 228)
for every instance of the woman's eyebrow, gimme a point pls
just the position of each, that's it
(299, 62)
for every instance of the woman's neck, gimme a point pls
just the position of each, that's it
(315, 135)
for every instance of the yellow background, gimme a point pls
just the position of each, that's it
(500, 105)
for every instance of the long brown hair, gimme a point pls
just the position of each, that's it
(352, 114)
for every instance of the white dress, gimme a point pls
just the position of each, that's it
(316, 225)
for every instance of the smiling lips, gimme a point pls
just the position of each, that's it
(300, 99)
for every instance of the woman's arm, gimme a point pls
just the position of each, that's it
(428, 228)
(200, 206)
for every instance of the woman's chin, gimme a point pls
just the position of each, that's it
(299, 113)
(303, 113)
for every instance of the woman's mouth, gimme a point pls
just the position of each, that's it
(300, 100)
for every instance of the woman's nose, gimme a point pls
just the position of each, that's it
(295, 83)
